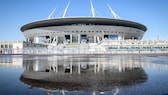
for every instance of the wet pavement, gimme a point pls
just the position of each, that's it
(84, 75)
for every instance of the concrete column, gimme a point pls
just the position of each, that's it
(34, 39)
(56, 40)
(119, 37)
(53, 40)
(132, 38)
(71, 67)
(79, 38)
(79, 71)
(98, 38)
(95, 67)
(56, 68)
(94, 39)
(71, 38)
(123, 37)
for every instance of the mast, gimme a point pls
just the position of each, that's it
(51, 14)
(92, 9)
(65, 11)
(113, 13)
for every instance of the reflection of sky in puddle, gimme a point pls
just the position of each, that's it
(88, 74)
(158, 60)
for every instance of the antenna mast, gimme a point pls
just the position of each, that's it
(113, 13)
(66, 10)
(92, 9)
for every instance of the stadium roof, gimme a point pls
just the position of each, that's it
(82, 20)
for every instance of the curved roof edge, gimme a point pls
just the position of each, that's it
(73, 20)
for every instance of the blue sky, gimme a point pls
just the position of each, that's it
(15, 13)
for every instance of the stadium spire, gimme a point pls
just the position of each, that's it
(92, 9)
(65, 11)
(113, 13)
(51, 14)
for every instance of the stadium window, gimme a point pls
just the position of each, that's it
(1, 46)
(6, 46)
(10, 46)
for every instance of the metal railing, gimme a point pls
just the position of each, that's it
(80, 50)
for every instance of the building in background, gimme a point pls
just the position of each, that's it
(16, 47)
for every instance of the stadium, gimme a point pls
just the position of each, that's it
(80, 30)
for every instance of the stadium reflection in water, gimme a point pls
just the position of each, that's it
(95, 73)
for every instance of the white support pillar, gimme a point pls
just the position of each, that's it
(94, 39)
(95, 68)
(71, 38)
(119, 37)
(123, 37)
(63, 92)
(119, 65)
(132, 38)
(34, 40)
(53, 40)
(71, 67)
(56, 68)
(56, 40)
(98, 39)
(79, 38)
(79, 70)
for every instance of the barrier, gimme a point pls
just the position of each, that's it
(81, 51)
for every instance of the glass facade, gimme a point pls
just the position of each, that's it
(113, 37)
